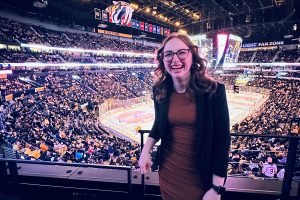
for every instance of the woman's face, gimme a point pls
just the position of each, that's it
(177, 59)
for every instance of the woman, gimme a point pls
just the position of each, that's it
(192, 121)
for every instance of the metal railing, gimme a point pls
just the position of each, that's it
(290, 163)
(9, 170)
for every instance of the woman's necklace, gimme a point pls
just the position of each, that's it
(180, 91)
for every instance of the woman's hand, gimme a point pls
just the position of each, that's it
(145, 162)
(211, 195)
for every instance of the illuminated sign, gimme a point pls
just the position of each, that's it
(114, 33)
(263, 44)
(250, 45)
(274, 43)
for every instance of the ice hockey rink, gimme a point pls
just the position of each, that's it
(125, 120)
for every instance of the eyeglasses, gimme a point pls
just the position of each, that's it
(181, 54)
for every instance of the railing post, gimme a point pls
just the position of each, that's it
(3, 172)
(8, 174)
(129, 175)
(289, 170)
(143, 176)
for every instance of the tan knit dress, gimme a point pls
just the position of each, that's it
(179, 175)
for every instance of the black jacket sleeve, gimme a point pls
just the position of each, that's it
(221, 133)
(154, 133)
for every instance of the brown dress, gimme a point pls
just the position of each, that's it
(179, 176)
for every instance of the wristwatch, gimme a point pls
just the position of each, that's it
(218, 189)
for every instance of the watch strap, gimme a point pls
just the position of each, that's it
(218, 189)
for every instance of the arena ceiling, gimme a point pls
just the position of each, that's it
(252, 19)
(244, 17)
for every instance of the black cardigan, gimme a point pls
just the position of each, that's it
(212, 125)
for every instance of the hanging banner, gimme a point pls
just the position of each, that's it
(133, 23)
(97, 13)
(158, 30)
(137, 25)
(154, 28)
(142, 24)
(150, 28)
(104, 16)
(167, 32)
(114, 33)
(130, 23)
(162, 30)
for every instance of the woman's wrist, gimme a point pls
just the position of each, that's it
(145, 151)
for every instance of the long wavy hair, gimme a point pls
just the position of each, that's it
(200, 83)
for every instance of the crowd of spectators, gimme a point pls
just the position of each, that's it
(107, 86)
(265, 56)
(245, 56)
(250, 156)
(134, 81)
(16, 56)
(16, 32)
(288, 55)
(268, 56)
(281, 107)
(8, 86)
(53, 125)
(7, 56)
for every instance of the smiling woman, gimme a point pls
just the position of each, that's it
(192, 121)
